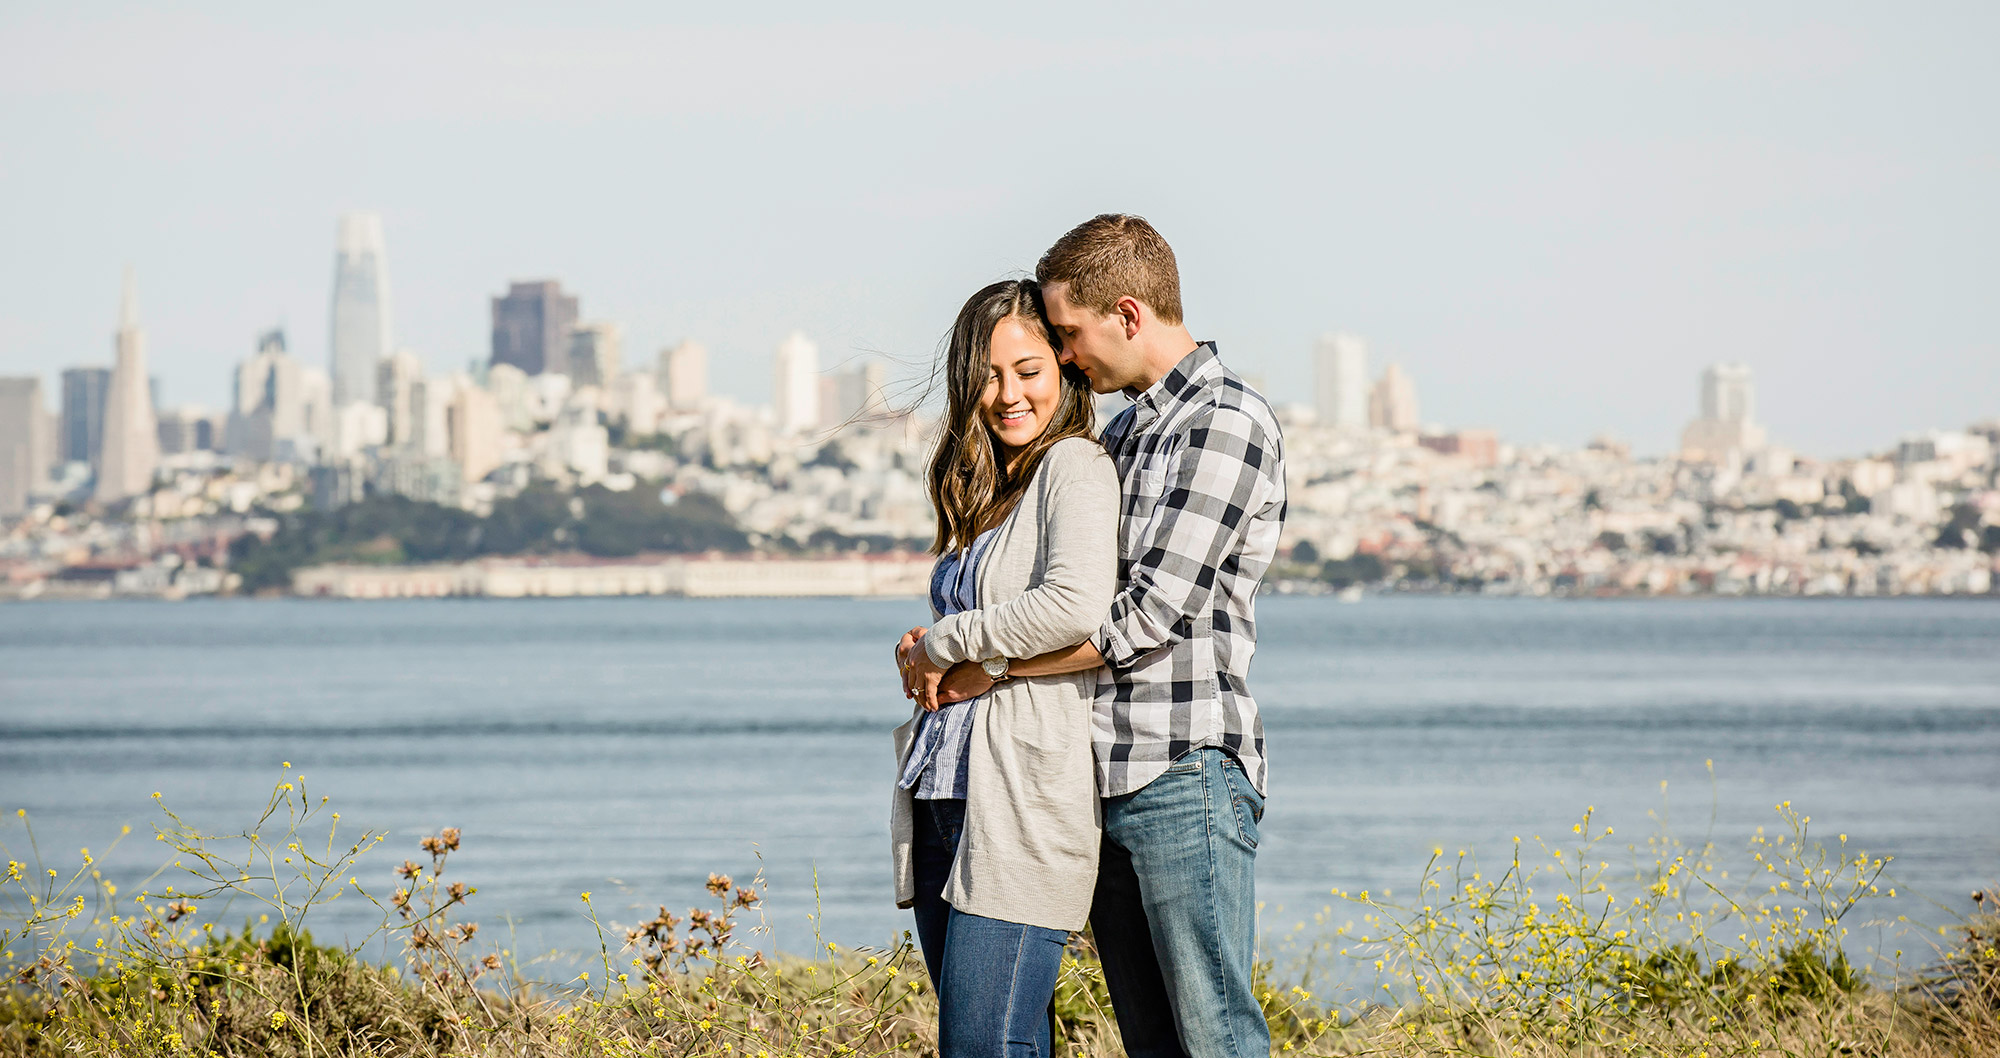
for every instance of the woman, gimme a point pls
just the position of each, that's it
(995, 824)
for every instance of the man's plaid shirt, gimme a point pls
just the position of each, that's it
(1202, 464)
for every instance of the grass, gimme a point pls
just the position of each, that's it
(1577, 947)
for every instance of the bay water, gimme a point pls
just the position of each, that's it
(630, 747)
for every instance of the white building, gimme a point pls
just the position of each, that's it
(478, 438)
(855, 394)
(1340, 381)
(430, 401)
(276, 407)
(360, 335)
(356, 428)
(396, 379)
(509, 386)
(635, 400)
(25, 443)
(1727, 431)
(1392, 405)
(131, 436)
(683, 376)
(795, 388)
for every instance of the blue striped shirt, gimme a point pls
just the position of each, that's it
(940, 756)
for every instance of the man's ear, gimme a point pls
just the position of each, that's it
(1132, 314)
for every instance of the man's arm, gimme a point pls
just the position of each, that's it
(967, 680)
(1222, 477)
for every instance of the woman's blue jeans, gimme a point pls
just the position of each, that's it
(994, 979)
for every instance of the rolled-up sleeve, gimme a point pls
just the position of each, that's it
(1221, 476)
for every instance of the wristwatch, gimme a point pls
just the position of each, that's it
(996, 668)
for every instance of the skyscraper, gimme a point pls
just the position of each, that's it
(80, 438)
(795, 389)
(1727, 430)
(131, 437)
(24, 459)
(1392, 405)
(531, 327)
(683, 375)
(270, 403)
(1340, 381)
(360, 309)
(594, 353)
(1727, 394)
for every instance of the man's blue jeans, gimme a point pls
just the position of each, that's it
(994, 979)
(1175, 915)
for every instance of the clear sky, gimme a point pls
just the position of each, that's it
(1552, 215)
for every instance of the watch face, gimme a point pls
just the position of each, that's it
(995, 667)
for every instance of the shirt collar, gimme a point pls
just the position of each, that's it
(1176, 383)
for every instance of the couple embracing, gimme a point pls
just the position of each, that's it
(1085, 748)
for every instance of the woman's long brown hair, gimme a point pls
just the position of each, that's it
(970, 483)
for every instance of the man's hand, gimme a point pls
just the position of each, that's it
(964, 682)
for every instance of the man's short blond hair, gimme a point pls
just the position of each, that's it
(1111, 256)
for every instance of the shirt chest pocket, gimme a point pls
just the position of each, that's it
(1145, 488)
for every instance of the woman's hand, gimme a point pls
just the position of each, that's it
(910, 638)
(921, 675)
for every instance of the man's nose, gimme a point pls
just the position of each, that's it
(1065, 355)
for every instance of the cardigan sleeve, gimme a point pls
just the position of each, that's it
(1078, 531)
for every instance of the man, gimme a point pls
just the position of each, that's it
(1179, 745)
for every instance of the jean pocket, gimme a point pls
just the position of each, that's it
(1245, 803)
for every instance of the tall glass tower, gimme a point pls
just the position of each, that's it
(360, 336)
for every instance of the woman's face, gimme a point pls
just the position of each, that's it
(1024, 387)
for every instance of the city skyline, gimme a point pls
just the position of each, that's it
(1548, 220)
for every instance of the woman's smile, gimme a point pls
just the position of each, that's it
(1023, 388)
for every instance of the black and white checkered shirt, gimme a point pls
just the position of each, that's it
(1202, 463)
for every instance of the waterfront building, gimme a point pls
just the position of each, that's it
(1392, 404)
(24, 443)
(131, 448)
(594, 353)
(80, 435)
(1727, 431)
(360, 335)
(1340, 381)
(683, 372)
(396, 380)
(531, 327)
(795, 385)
